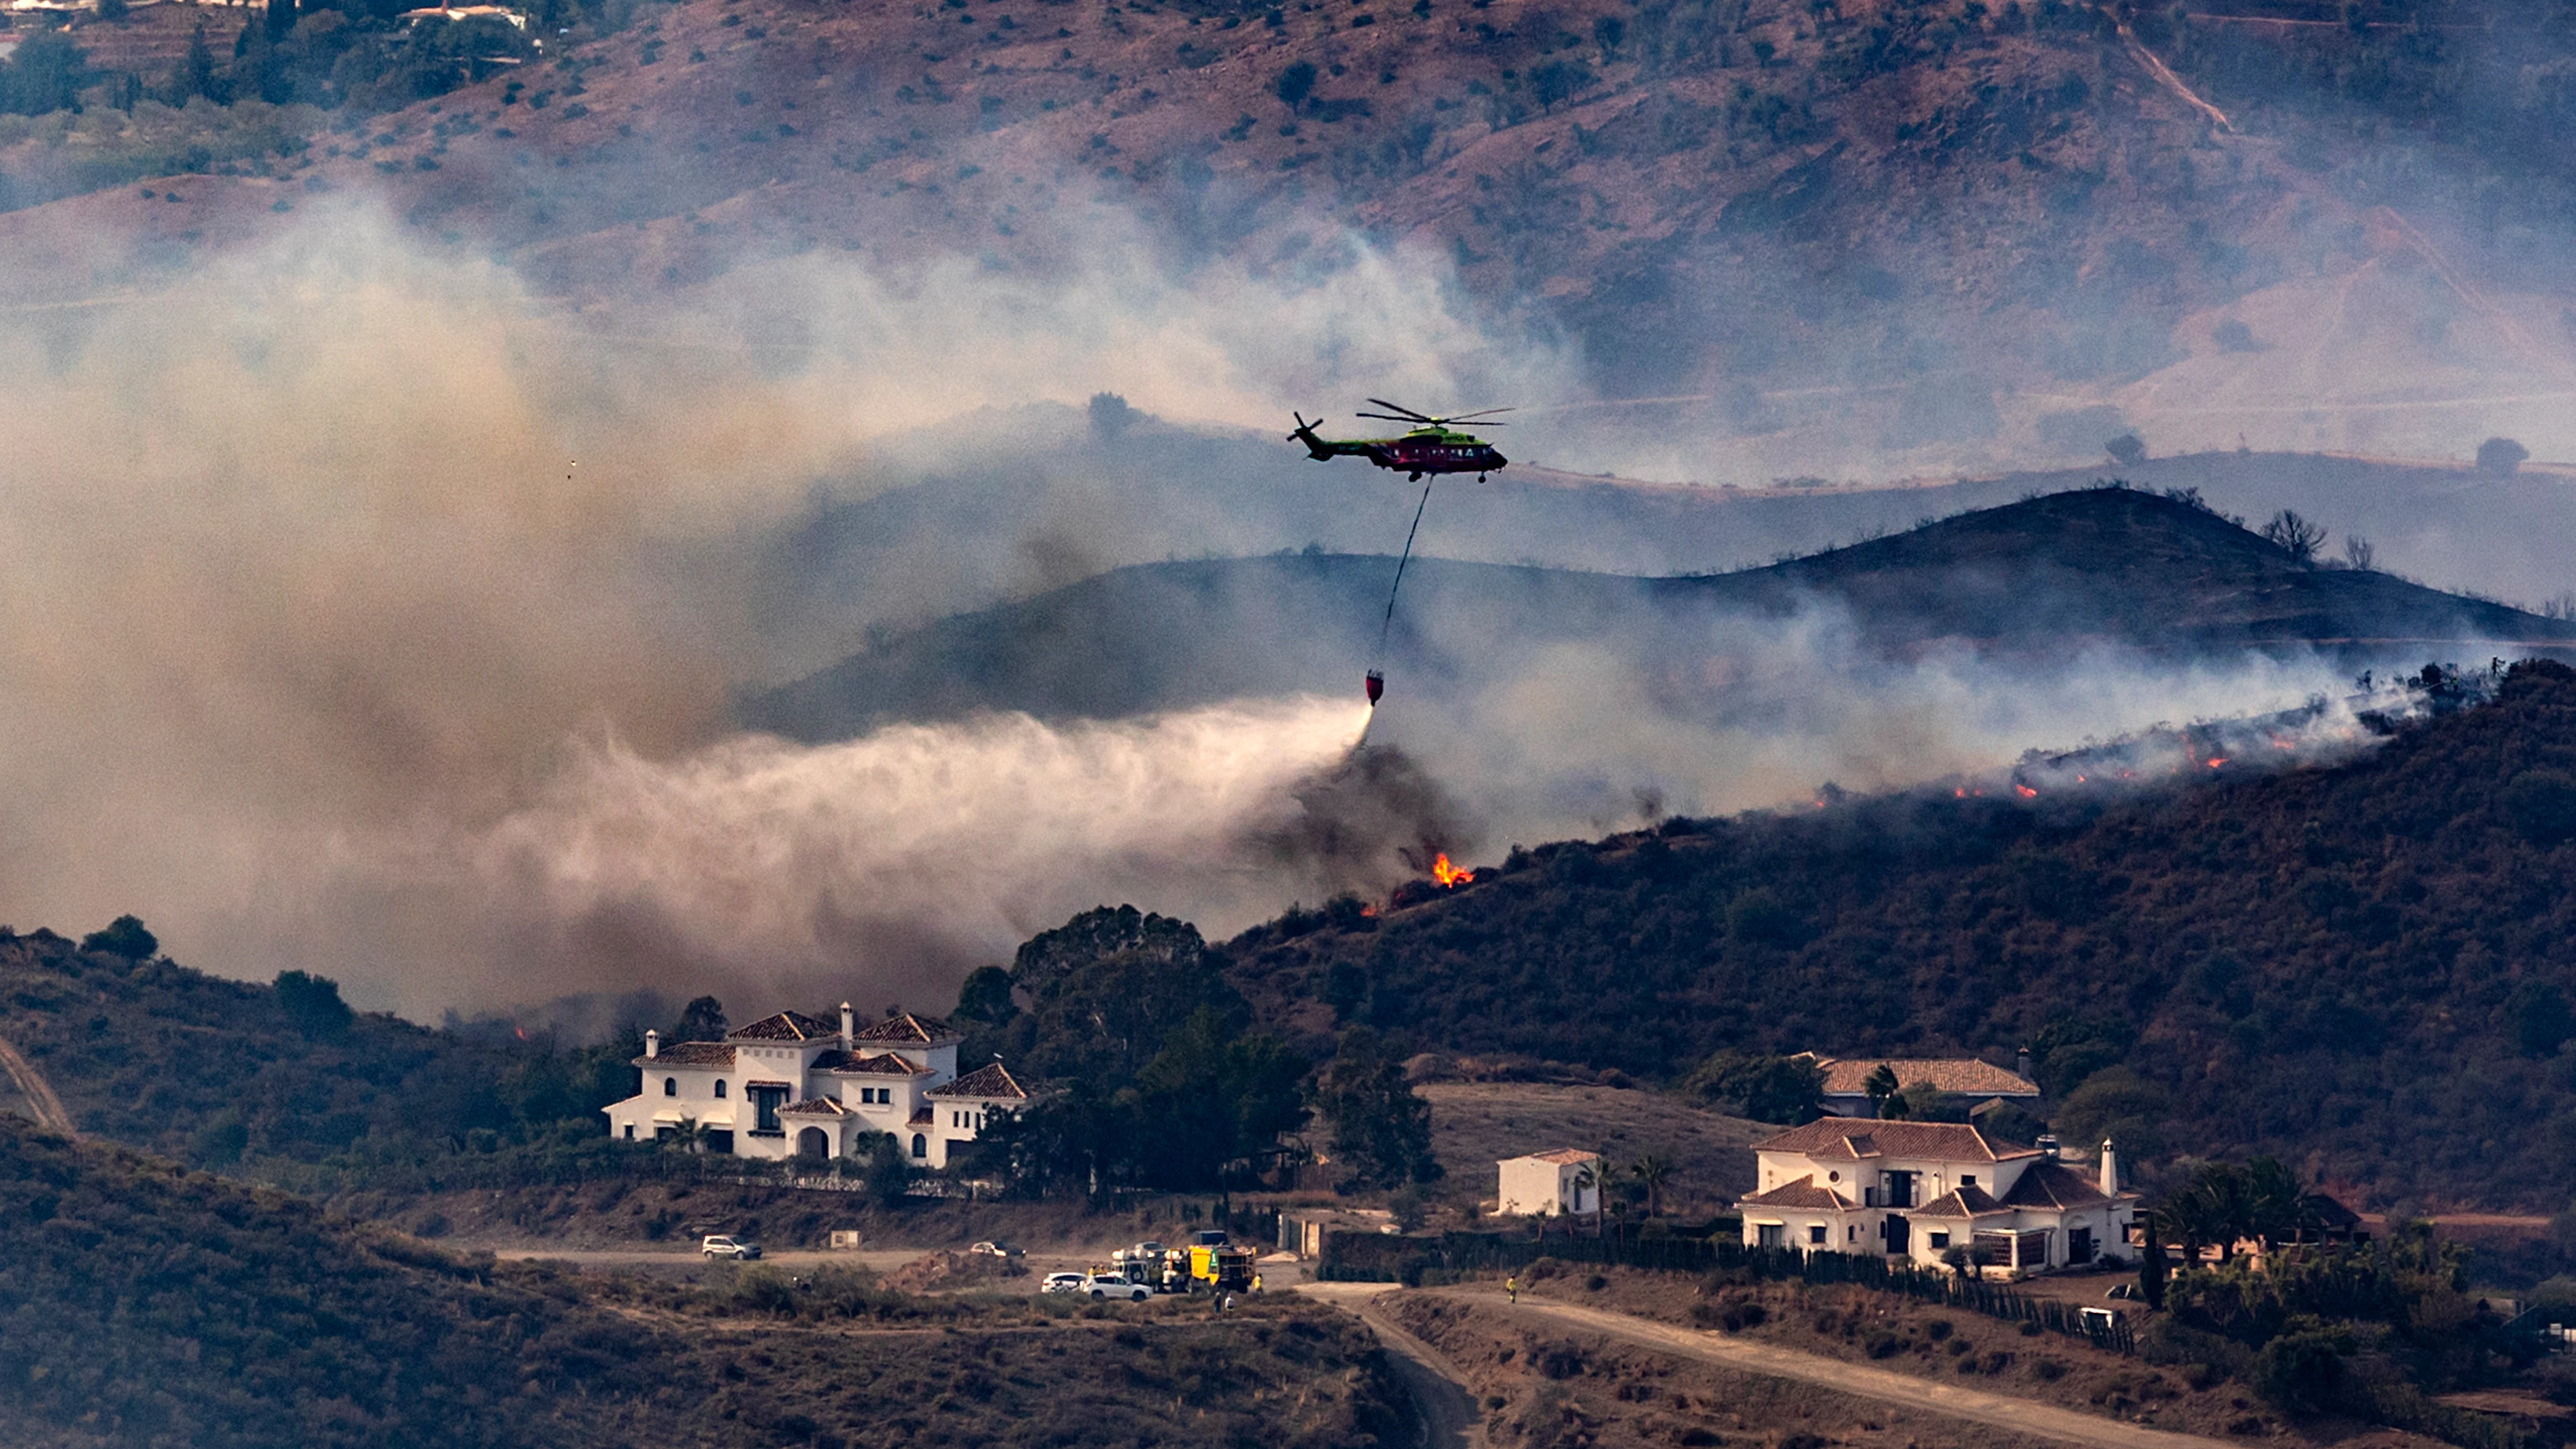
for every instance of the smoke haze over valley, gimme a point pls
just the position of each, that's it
(409, 522)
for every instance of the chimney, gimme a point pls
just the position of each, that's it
(849, 1026)
(652, 1044)
(2047, 1146)
(2023, 1067)
(2110, 1170)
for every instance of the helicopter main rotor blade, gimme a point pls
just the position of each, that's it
(1401, 408)
(1470, 417)
(1392, 418)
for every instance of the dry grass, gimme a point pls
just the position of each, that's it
(1475, 1124)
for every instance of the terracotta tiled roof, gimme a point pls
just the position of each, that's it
(1562, 1156)
(1851, 1138)
(815, 1107)
(690, 1054)
(880, 1064)
(2054, 1185)
(785, 1026)
(910, 1030)
(1961, 1202)
(1806, 1193)
(1963, 1076)
(989, 1082)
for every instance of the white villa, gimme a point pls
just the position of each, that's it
(790, 1086)
(1919, 1189)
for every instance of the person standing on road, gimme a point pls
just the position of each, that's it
(1225, 1305)
(1512, 1286)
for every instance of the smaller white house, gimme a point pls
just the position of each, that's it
(1562, 1183)
(1919, 1190)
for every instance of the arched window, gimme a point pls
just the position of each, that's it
(670, 1086)
(920, 1145)
(719, 1089)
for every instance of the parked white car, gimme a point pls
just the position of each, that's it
(1061, 1283)
(1115, 1285)
(996, 1250)
(717, 1245)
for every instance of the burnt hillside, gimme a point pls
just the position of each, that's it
(2032, 582)
(2366, 969)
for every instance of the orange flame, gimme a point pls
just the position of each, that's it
(2221, 760)
(2027, 793)
(1369, 911)
(1449, 875)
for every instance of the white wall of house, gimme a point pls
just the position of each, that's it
(1536, 1187)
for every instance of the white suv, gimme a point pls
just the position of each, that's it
(1114, 1285)
(719, 1246)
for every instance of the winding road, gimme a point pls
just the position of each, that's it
(1444, 1408)
(2002, 1411)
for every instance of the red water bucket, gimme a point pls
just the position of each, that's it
(1376, 686)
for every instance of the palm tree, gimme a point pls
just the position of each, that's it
(1652, 1172)
(1880, 1086)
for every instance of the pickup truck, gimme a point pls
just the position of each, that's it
(717, 1245)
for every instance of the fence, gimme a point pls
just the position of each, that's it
(1384, 1258)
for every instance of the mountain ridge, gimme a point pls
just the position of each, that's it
(2037, 580)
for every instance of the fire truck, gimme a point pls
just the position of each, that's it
(1209, 1265)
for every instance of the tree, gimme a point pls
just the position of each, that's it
(2501, 455)
(2295, 535)
(1652, 1172)
(195, 76)
(1556, 80)
(986, 997)
(1381, 1129)
(313, 1003)
(1217, 1098)
(1295, 84)
(700, 1020)
(113, 12)
(1760, 1086)
(1924, 1102)
(2358, 553)
(888, 1173)
(2128, 450)
(126, 937)
(1881, 1088)
(44, 75)
(2117, 1103)
(2152, 1268)
(1111, 416)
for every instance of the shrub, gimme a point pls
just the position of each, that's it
(124, 937)
(2501, 455)
(2300, 1373)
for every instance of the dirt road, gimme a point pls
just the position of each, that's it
(1999, 1410)
(1445, 1413)
(31, 1084)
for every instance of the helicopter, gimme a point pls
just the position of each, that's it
(1431, 445)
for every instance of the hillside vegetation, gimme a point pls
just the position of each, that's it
(2035, 581)
(1901, 226)
(2365, 969)
(276, 1080)
(144, 1305)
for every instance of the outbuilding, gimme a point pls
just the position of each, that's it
(1565, 1182)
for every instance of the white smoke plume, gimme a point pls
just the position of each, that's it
(336, 543)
